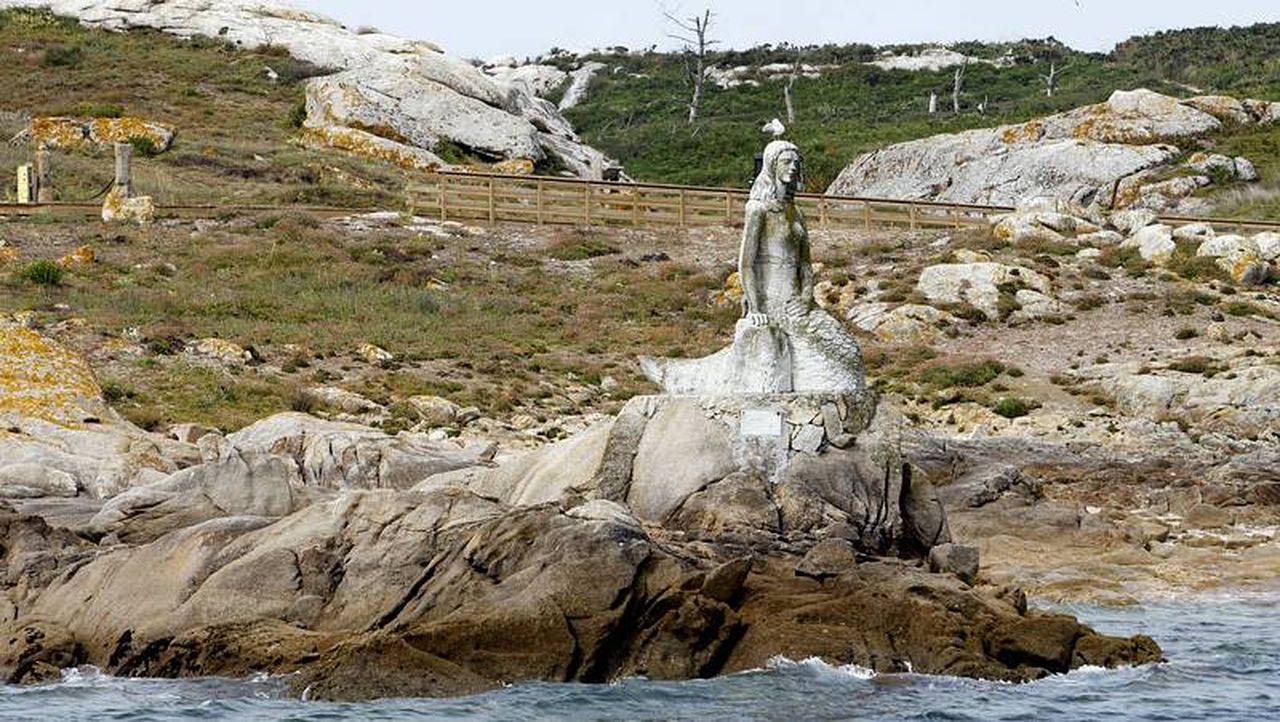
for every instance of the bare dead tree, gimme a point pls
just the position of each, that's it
(957, 86)
(1051, 80)
(787, 91)
(693, 33)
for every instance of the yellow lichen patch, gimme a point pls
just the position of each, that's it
(1028, 132)
(514, 166)
(8, 255)
(119, 207)
(368, 145)
(82, 256)
(122, 130)
(65, 132)
(42, 379)
(59, 132)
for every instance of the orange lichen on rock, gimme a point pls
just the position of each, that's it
(42, 379)
(368, 145)
(118, 207)
(105, 131)
(59, 132)
(514, 166)
(82, 256)
(66, 132)
(8, 255)
(1028, 132)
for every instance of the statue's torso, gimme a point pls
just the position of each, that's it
(777, 261)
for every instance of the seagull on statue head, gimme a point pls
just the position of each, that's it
(774, 127)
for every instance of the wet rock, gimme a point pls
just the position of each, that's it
(957, 559)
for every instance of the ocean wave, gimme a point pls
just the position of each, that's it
(814, 664)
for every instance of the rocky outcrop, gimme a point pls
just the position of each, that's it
(71, 133)
(982, 285)
(1115, 153)
(688, 537)
(931, 59)
(337, 455)
(388, 593)
(408, 96)
(57, 435)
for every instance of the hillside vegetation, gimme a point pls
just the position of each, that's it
(636, 110)
(234, 123)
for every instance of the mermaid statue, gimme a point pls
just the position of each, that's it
(784, 341)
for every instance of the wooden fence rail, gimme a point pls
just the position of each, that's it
(545, 200)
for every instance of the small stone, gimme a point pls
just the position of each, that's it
(808, 439)
(1207, 516)
(468, 415)
(957, 559)
(375, 355)
(79, 258)
(434, 410)
(220, 350)
(189, 433)
(828, 558)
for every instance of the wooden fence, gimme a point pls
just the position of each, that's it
(544, 200)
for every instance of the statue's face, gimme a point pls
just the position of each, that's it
(787, 167)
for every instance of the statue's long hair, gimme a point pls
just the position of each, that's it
(765, 188)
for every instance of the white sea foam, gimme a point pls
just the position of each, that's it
(817, 665)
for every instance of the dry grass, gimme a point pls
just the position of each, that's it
(234, 139)
(491, 320)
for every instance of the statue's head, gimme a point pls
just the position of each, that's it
(781, 172)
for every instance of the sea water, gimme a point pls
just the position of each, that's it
(1223, 664)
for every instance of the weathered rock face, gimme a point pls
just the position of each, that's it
(1094, 153)
(979, 284)
(406, 95)
(336, 455)
(380, 593)
(57, 436)
(742, 467)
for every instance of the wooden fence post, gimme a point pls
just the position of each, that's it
(444, 210)
(682, 211)
(124, 185)
(493, 214)
(44, 176)
(586, 204)
(538, 187)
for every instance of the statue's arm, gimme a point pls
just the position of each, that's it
(751, 228)
(806, 267)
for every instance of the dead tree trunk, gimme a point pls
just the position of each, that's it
(957, 87)
(1051, 80)
(696, 45)
(933, 102)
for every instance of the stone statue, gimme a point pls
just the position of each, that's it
(784, 342)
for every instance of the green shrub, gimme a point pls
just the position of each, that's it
(969, 375)
(42, 273)
(1011, 408)
(62, 56)
(144, 146)
(101, 110)
(580, 249)
(1202, 365)
(1183, 334)
(297, 114)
